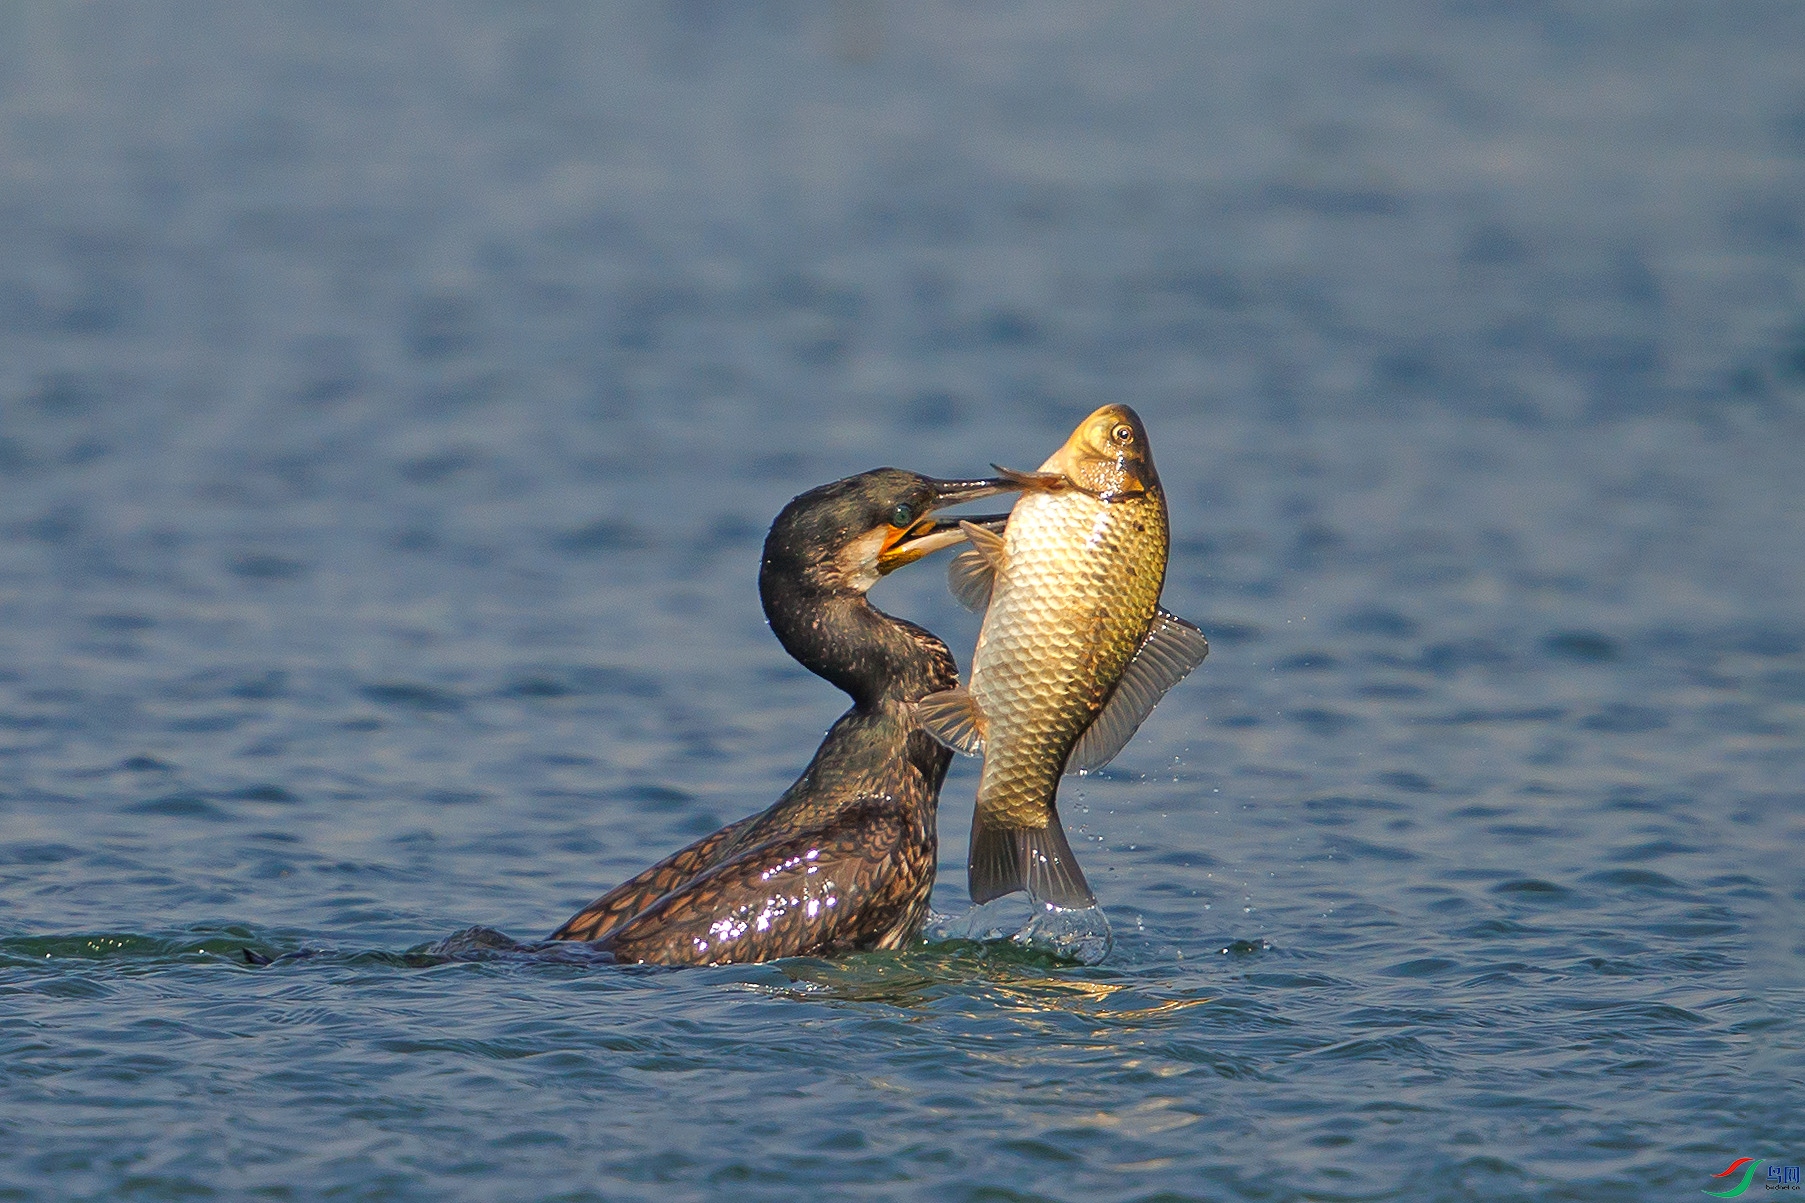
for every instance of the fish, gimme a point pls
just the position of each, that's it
(1073, 654)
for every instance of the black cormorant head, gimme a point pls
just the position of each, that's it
(844, 536)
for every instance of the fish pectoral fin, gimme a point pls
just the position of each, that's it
(1172, 648)
(970, 577)
(974, 570)
(986, 543)
(1036, 859)
(952, 716)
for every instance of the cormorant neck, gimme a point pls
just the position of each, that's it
(842, 637)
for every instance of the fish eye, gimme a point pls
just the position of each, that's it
(903, 515)
(1123, 433)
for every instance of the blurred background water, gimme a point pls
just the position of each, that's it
(392, 402)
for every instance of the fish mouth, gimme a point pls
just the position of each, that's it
(905, 545)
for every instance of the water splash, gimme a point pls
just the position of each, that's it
(1082, 936)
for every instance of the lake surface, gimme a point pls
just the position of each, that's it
(392, 404)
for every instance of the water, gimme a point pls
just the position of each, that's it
(391, 408)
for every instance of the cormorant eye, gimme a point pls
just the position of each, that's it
(903, 516)
(1123, 433)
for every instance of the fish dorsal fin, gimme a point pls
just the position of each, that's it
(974, 570)
(1172, 648)
(952, 717)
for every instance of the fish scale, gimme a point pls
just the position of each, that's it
(1082, 584)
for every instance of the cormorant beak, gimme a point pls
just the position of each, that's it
(906, 545)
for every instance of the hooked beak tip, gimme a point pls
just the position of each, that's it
(957, 492)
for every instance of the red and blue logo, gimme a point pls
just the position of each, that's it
(1779, 1177)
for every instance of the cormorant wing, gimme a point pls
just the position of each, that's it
(796, 895)
(637, 893)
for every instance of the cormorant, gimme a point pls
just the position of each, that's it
(845, 858)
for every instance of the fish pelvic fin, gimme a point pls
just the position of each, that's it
(1172, 648)
(1036, 859)
(952, 716)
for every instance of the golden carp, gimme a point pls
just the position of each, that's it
(1074, 652)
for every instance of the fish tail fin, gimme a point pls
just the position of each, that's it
(1036, 859)
(995, 866)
